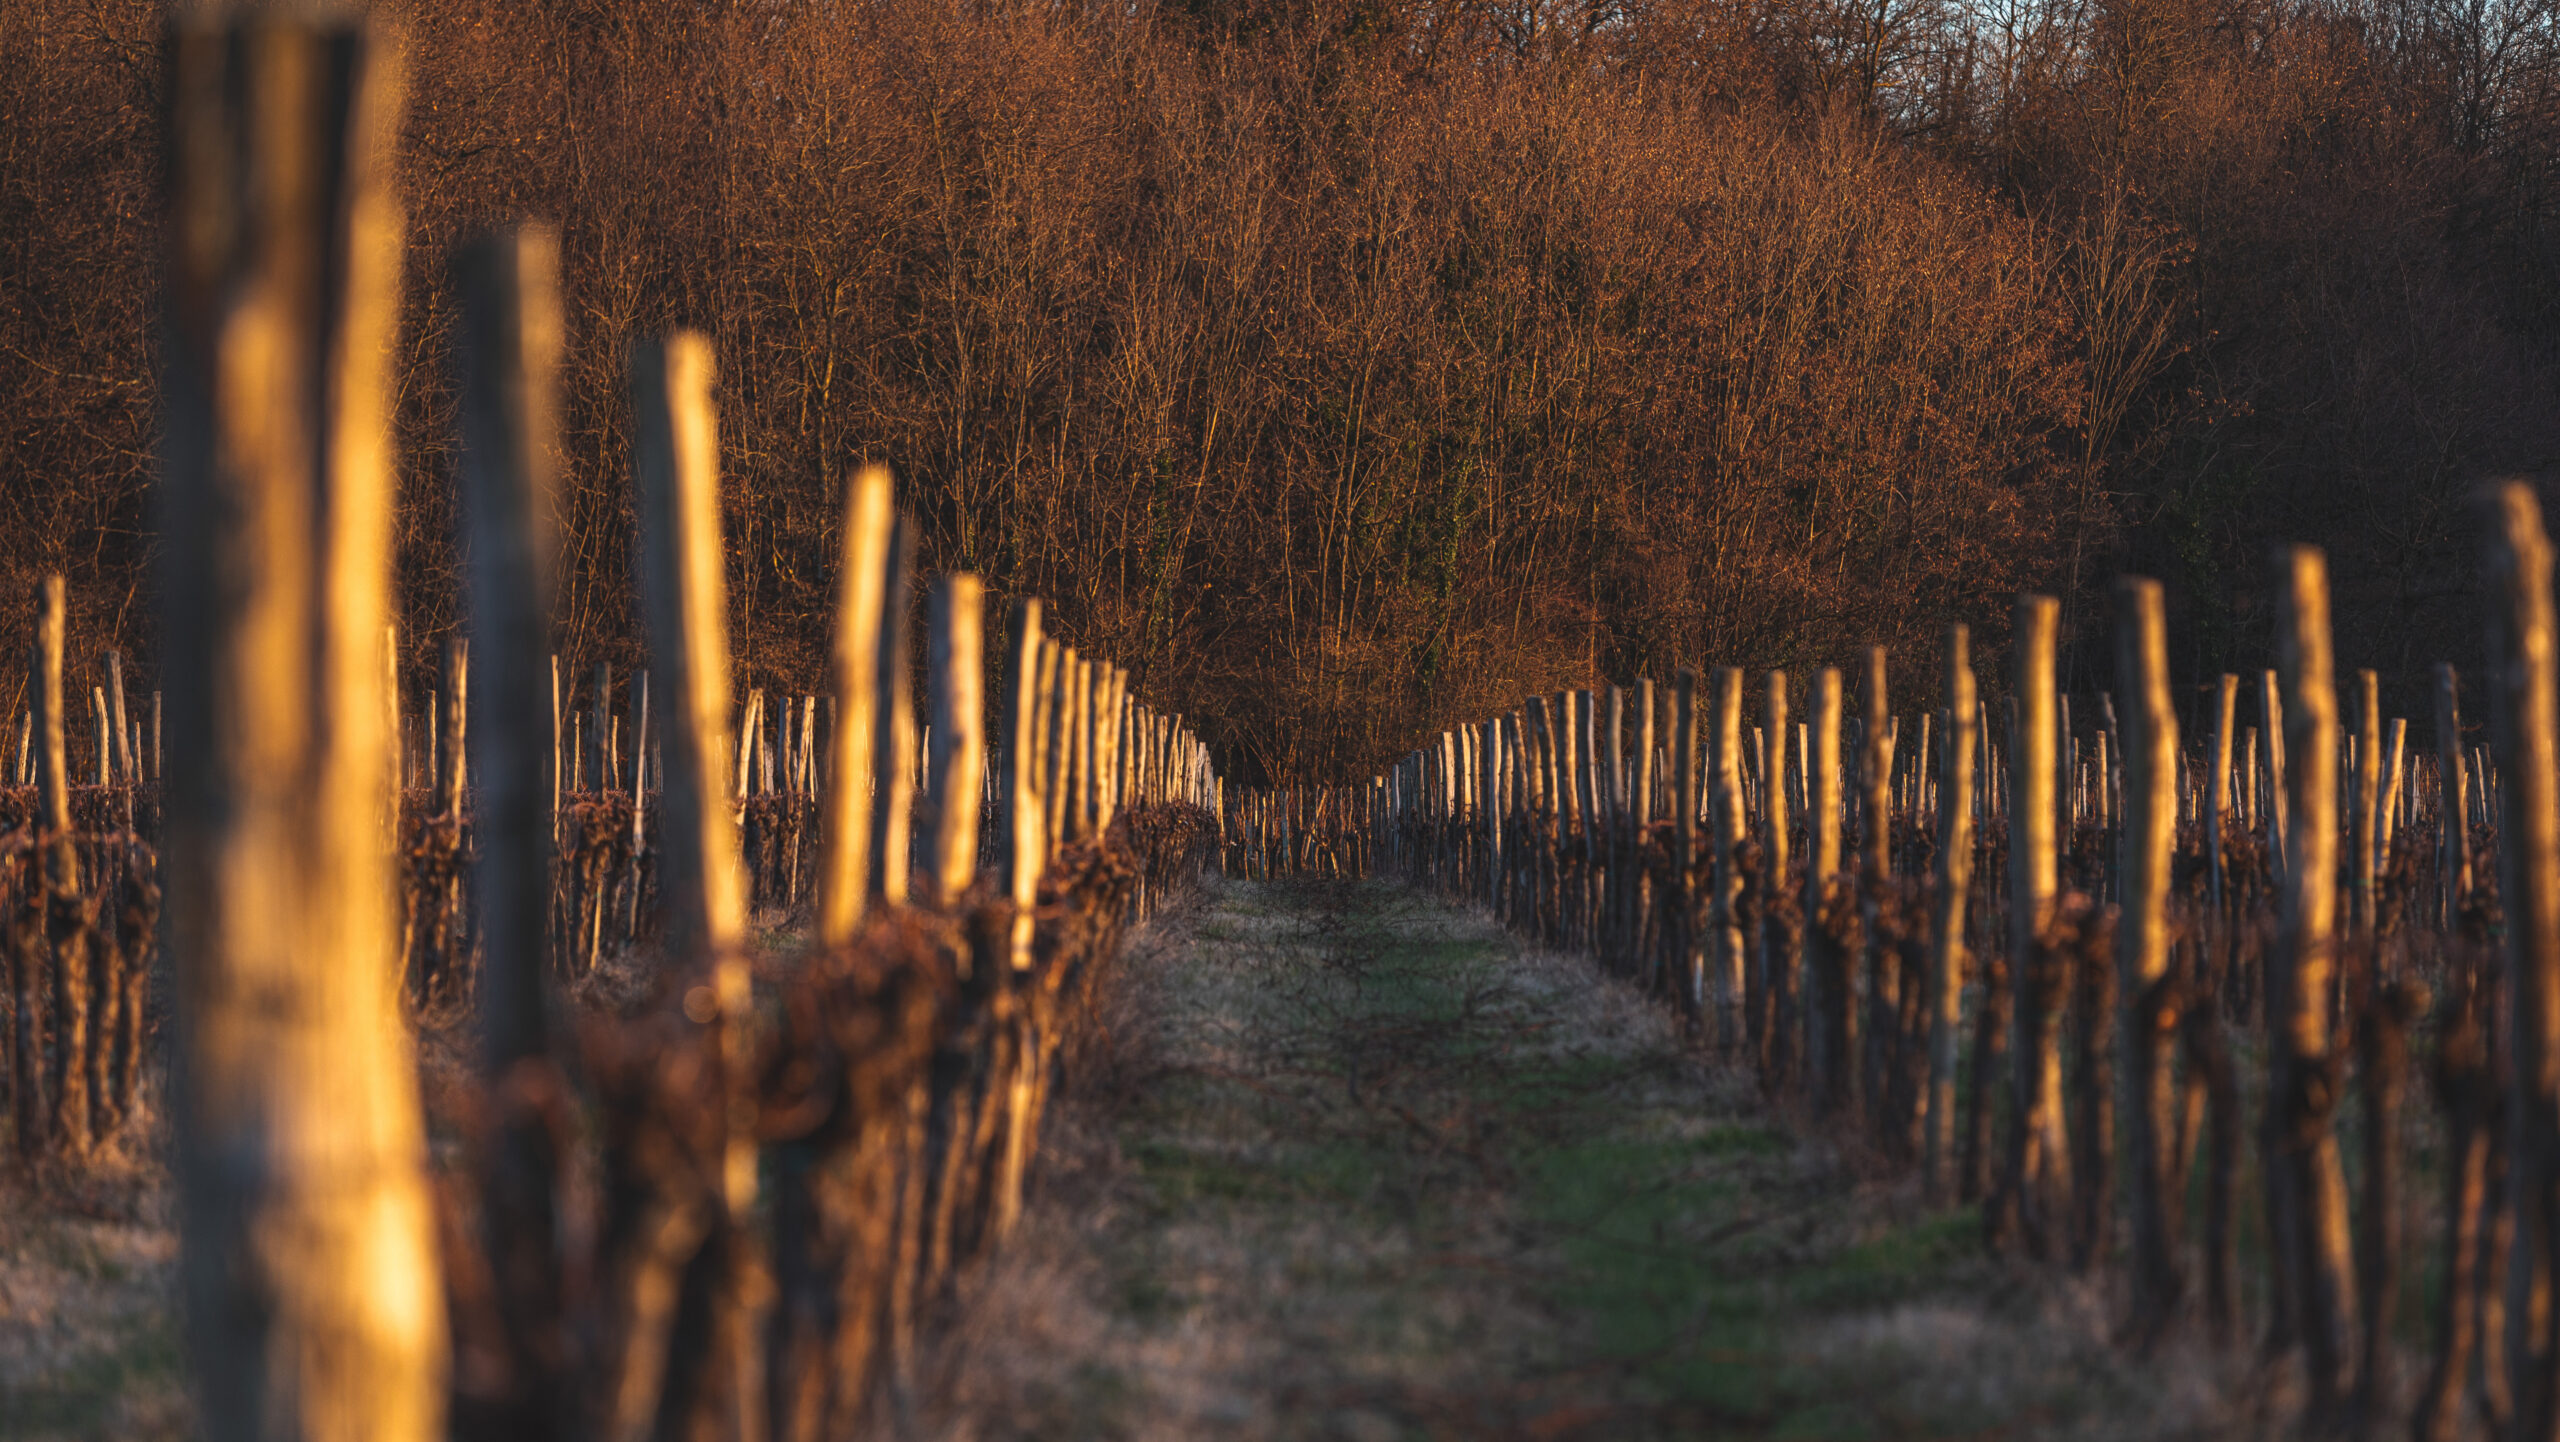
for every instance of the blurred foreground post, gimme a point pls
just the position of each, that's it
(314, 1305)
(509, 358)
(2525, 709)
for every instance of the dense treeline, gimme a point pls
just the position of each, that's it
(1351, 368)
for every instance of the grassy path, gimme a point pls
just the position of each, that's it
(1365, 1169)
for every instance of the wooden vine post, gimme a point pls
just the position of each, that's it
(845, 816)
(2218, 815)
(1731, 829)
(893, 727)
(1946, 935)
(2279, 825)
(2307, 1184)
(675, 454)
(65, 1083)
(1487, 781)
(1781, 922)
(2453, 804)
(509, 359)
(1828, 1007)
(1868, 1038)
(41, 732)
(1025, 853)
(2149, 1002)
(1057, 744)
(955, 626)
(1684, 830)
(2525, 701)
(676, 461)
(451, 769)
(1025, 847)
(2039, 1170)
(2367, 827)
(314, 1305)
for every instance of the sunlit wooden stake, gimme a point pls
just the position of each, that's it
(314, 1301)
(2525, 708)
(956, 630)
(2310, 1190)
(1025, 840)
(1731, 829)
(2148, 1008)
(845, 822)
(893, 728)
(675, 452)
(1946, 937)
(2040, 1159)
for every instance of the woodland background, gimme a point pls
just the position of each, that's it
(1348, 367)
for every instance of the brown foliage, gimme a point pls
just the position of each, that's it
(1353, 368)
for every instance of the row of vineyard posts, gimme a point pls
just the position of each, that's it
(718, 1198)
(2032, 961)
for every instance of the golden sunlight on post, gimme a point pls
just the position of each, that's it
(314, 1305)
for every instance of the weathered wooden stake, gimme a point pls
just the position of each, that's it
(893, 727)
(1025, 841)
(1058, 728)
(451, 775)
(1826, 961)
(2365, 826)
(2039, 1153)
(2218, 813)
(2453, 807)
(2149, 1005)
(1955, 884)
(1781, 920)
(1868, 1037)
(508, 358)
(314, 1303)
(955, 626)
(52, 742)
(1731, 828)
(2278, 819)
(2525, 708)
(2304, 1075)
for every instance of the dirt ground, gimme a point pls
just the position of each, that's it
(89, 1344)
(1354, 1164)
(1361, 1167)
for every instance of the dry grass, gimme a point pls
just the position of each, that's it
(1354, 1165)
(1361, 1167)
(89, 1341)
